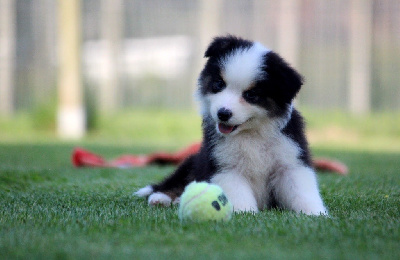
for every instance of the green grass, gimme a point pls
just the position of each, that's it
(48, 209)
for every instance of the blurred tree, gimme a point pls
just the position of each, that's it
(7, 56)
(111, 30)
(71, 112)
(360, 56)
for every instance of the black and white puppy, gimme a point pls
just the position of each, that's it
(254, 145)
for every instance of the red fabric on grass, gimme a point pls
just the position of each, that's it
(85, 158)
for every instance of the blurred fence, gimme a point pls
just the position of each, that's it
(147, 53)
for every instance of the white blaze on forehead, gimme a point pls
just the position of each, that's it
(243, 66)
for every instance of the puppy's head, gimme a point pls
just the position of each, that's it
(244, 83)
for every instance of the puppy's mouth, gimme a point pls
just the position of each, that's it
(227, 129)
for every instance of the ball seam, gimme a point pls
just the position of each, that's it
(195, 197)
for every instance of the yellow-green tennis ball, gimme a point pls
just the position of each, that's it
(202, 201)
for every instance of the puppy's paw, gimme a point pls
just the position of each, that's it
(176, 201)
(321, 212)
(314, 210)
(144, 192)
(159, 198)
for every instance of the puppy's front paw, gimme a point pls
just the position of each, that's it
(159, 198)
(144, 192)
(314, 210)
(319, 212)
(177, 201)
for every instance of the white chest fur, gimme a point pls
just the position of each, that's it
(255, 157)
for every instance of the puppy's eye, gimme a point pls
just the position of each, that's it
(251, 96)
(217, 86)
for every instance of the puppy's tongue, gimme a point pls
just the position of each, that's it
(226, 129)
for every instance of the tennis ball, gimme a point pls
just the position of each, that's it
(202, 201)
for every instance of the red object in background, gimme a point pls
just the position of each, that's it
(323, 164)
(84, 158)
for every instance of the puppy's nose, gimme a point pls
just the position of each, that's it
(224, 114)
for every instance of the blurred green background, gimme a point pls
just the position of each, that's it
(173, 129)
(136, 64)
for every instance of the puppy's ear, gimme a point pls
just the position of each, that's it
(222, 45)
(282, 78)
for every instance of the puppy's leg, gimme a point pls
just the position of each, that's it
(169, 190)
(297, 189)
(237, 190)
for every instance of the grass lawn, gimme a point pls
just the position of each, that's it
(48, 209)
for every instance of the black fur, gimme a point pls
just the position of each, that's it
(198, 167)
(223, 46)
(295, 131)
(278, 88)
(219, 48)
(282, 80)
